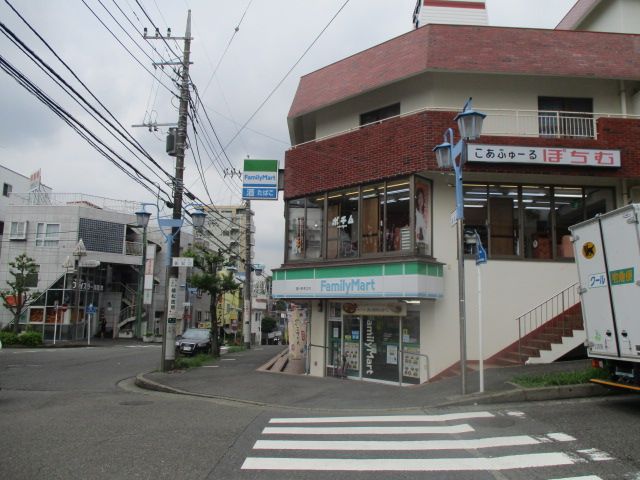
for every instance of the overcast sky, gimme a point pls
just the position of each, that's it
(272, 36)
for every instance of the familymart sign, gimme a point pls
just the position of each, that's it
(397, 280)
(260, 180)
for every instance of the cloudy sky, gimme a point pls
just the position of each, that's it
(235, 72)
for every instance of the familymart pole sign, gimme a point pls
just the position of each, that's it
(260, 180)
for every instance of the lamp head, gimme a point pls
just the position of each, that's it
(470, 124)
(443, 155)
(142, 218)
(198, 217)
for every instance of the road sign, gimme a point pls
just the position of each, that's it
(260, 180)
(182, 262)
(91, 310)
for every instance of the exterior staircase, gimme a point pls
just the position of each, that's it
(547, 332)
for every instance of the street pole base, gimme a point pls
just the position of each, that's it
(168, 365)
(247, 345)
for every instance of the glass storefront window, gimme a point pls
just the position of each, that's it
(342, 224)
(295, 229)
(598, 200)
(315, 220)
(373, 200)
(536, 203)
(569, 209)
(504, 237)
(475, 215)
(423, 224)
(398, 233)
(530, 221)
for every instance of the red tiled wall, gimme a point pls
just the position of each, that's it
(403, 145)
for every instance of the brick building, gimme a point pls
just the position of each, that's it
(370, 254)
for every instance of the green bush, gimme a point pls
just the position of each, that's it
(560, 378)
(30, 339)
(192, 362)
(8, 338)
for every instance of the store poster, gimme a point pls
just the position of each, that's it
(297, 332)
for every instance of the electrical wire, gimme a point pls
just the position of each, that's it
(224, 53)
(79, 98)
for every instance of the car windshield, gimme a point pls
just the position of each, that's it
(196, 334)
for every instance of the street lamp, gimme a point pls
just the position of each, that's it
(79, 251)
(142, 220)
(174, 224)
(453, 156)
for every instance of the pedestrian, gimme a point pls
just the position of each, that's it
(103, 324)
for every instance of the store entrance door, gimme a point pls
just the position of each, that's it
(334, 358)
(380, 348)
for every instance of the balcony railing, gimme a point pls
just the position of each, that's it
(520, 123)
(73, 199)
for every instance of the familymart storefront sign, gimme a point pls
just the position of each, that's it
(395, 280)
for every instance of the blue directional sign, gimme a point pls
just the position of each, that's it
(91, 310)
(481, 253)
(260, 180)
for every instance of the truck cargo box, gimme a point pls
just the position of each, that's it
(607, 253)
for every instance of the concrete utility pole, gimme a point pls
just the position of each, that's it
(247, 279)
(169, 326)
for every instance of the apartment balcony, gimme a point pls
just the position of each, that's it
(544, 123)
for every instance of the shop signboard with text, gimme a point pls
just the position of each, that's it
(371, 281)
(260, 180)
(574, 157)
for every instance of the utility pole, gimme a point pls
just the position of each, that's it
(169, 325)
(247, 279)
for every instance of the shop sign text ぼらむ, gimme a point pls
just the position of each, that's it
(576, 157)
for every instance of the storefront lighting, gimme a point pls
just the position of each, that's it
(398, 184)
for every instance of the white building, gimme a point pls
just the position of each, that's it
(370, 254)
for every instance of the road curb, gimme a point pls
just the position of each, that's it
(517, 395)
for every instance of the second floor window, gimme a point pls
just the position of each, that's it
(362, 221)
(6, 189)
(47, 234)
(565, 117)
(380, 114)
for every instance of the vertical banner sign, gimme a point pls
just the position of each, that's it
(260, 180)
(173, 298)
(148, 275)
(297, 324)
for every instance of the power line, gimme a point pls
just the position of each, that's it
(224, 53)
(121, 131)
(289, 72)
(76, 125)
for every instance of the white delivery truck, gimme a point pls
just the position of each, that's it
(607, 253)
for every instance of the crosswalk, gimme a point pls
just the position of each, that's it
(450, 442)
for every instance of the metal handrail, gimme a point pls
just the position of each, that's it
(547, 311)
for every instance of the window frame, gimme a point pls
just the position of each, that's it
(7, 189)
(521, 255)
(18, 236)
(42, 237)
(384, 251)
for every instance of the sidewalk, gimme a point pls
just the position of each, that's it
(234, 377)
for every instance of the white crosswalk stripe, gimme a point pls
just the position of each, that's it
(343, 445)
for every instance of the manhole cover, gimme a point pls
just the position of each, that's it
(136, 403)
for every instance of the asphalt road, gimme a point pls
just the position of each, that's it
(75, 413)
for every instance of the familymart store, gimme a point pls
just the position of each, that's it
(363, 321)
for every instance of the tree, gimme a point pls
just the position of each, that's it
(17, 297)
(269, 324)
(210, 279)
